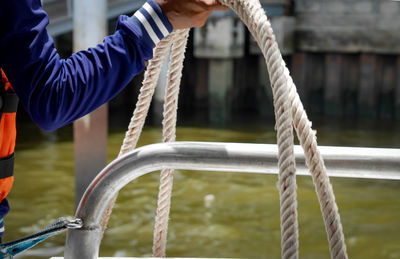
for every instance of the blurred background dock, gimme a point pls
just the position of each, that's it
(343, 56)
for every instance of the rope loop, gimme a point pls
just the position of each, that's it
(289, 114)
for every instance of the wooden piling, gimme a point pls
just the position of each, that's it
(308, 72)
(315, 75)
(333, 89)
(299, 68)
(349, 82)
(219, 85)
(367, 101)
(386, 85)
(264, 90)
(397, 90)
(201, 96)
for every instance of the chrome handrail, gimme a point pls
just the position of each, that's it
(84, 243)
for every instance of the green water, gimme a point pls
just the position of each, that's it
(242, 221)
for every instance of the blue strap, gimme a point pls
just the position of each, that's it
(10, 249)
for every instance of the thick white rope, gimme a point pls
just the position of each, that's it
(169, 134)
(254, 17)
(142, 106)
(285, 139)
(146, 94)
(288, 107)
(322, 184)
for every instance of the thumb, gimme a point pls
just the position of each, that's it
(215, 5)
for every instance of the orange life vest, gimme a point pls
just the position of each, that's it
(8, 109)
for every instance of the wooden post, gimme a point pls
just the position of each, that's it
(315, 78)
(219, 84)
(333, 86)
(367, 107)
(397, 90)
(308, 74)
(350, 82)
(299, 75)
(387, 81)
(245, 93)
(201, 88)
(265, 96)
(90, 132)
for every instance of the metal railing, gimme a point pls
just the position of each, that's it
(84, 243)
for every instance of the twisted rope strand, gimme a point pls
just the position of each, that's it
(142, 106)
(262, 31)
(289, 113)
(261, 28)
(321, 181)
(146, 94)
(169, 134)
(287, 172)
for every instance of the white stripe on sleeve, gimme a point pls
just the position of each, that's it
(147, 26)
(156, 19)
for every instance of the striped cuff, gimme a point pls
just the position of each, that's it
(152, 22)
(1, 228)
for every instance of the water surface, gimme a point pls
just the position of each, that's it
(243, 219)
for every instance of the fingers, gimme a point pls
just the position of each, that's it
(189, 13)
(215, 5)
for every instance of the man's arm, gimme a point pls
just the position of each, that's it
(56, 91)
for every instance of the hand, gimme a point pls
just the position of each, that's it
(189, 13)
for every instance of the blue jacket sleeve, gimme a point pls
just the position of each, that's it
(57, 91)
